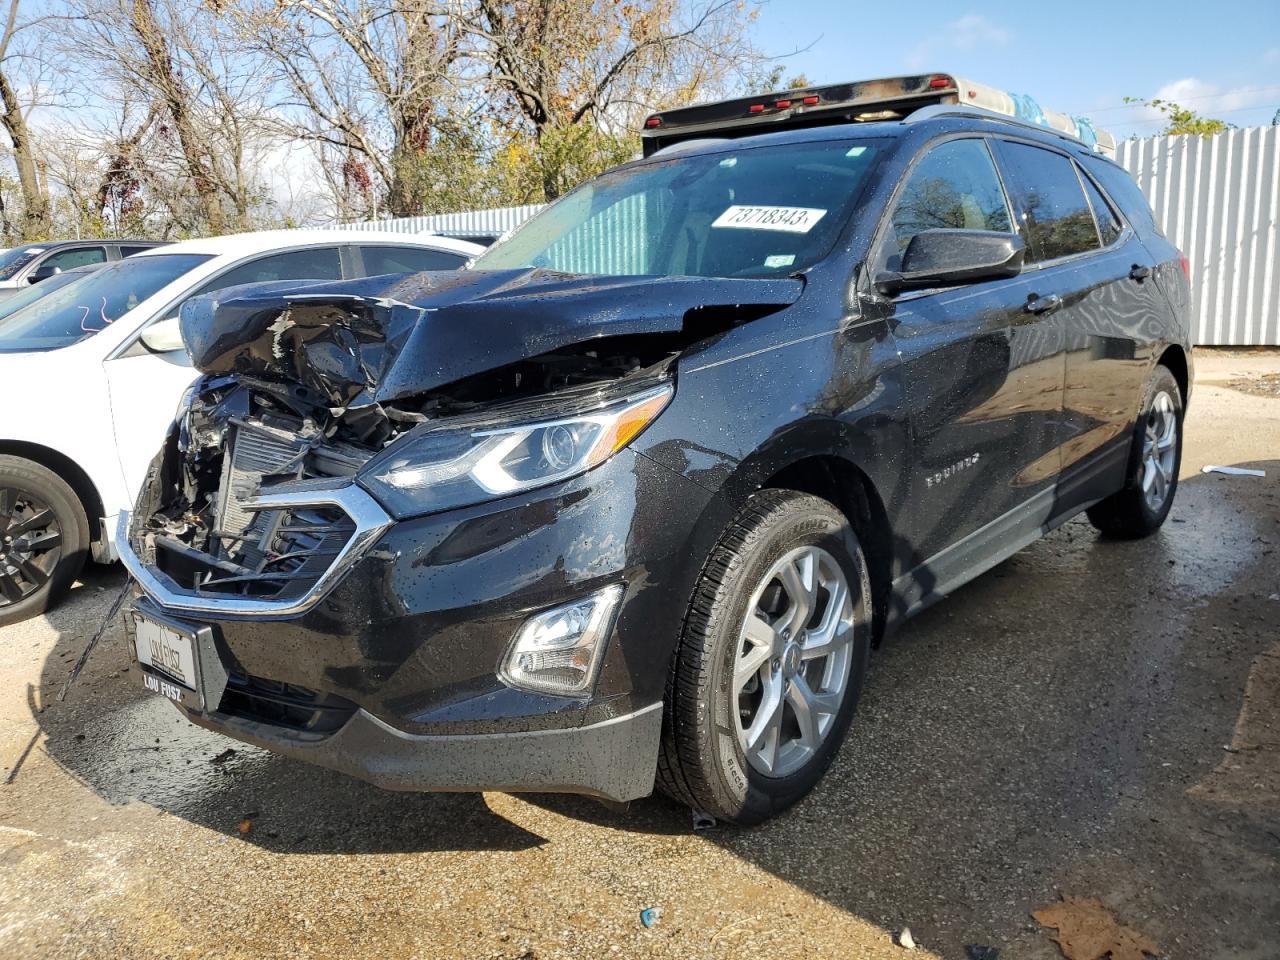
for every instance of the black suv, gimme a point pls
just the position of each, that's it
(634, 496)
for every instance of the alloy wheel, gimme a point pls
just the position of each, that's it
(30, 545)
(793, 661)
(1159, 450)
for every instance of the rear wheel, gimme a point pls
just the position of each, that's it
(44, 536)
(1139, 509)
(771, 660)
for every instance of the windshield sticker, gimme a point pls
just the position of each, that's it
(856, 151)
(786, 219)
(780, 260)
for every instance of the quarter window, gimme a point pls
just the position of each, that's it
(954, 187)
(1047, 191)
(1108, 223)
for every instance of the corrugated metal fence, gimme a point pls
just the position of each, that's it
(1216, 198)
(470, 223)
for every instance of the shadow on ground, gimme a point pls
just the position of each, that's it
(1035, 735)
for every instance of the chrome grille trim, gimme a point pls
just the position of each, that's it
(370, 522)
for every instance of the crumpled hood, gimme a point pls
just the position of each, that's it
(386, 338)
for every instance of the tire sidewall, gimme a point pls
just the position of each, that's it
(1162, 381)
(30, 477)
(755, 794)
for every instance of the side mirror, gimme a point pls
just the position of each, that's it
(939, 258)
(43, 272)
(164, 336)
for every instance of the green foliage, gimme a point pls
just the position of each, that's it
(772, 78)
(1182, 120)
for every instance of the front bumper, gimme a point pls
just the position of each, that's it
(608, 759)
(401, 653)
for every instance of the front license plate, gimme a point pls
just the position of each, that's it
(170, 658)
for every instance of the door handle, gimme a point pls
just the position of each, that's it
(1037, 304)
(1139, 272)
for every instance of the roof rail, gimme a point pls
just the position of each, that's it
(1104, 146)
(1025, 108)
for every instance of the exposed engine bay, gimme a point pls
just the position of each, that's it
(303, 388)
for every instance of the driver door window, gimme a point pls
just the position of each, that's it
(954, 187)
(77, 257)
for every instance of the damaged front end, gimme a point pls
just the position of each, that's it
(328, 411)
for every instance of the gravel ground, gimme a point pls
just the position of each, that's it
(1088, 719)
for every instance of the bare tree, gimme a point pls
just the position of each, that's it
(557, 65)
(206, 96)
(372, 85)
(35, 200)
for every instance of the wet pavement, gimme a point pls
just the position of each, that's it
(1090, 719)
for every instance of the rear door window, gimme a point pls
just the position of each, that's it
(1108, 223)
(953, 187)
(128, 251)
(379, 260)
(75, 257)
(1047, 193)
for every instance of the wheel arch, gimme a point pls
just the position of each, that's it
(70, 471)
(1175, 359)
(850, 490)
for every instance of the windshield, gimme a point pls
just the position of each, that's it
(34, 292)
(92, 303)
(760, 211)
(11, 261)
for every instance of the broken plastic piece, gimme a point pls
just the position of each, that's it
(650, 916)
(905, 940)
(703, 821)
(1234, 471)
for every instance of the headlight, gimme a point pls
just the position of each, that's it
(453, 465)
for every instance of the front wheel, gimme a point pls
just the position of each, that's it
(44, 536)
(1139, 509)
(770, 662)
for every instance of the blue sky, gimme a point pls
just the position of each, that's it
(1082, 57)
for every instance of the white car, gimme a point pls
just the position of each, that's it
(94, 371)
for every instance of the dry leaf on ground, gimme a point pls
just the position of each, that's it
(1089, 931)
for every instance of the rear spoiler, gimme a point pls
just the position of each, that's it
(893, 98)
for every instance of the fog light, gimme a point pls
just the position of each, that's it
(558, 651)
